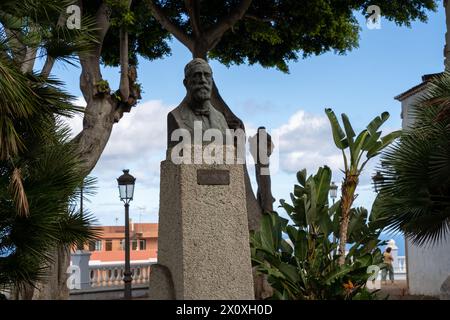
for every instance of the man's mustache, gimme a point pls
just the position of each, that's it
(196, 88)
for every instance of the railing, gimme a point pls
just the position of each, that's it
(109, 275)
(400, 265)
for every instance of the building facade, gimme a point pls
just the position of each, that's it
(110, 247)
(427, 266)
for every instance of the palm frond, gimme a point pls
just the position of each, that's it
(416, 170)
(18, 192)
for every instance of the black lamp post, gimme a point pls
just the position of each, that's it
(377, 181)
(126, 190)
(333, 191)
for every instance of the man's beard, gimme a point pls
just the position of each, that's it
(202, 93)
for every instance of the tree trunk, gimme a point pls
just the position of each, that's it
(348, 196)
(100, 115)
(97, 127)
(343, 236)
(447, 35)
(55, 288)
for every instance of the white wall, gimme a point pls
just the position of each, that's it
(429, 266)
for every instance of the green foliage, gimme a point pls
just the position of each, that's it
(368, 141)
(39, 172)
(120, 15)
(305, 265)
(50, 178)
(146, 37)
(40, 24)
(273, 33)
(415, 192)
(27, 104)
(102, 87)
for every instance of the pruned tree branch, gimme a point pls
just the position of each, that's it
(48, 66)
(227, 22)
(169, 26)
(103, 23)
(193, 10)
(29, 60)
(124, 86)
(90, 63)
(447, 35)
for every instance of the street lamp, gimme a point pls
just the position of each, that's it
(333, 191)
(126, 190)
(377, 181)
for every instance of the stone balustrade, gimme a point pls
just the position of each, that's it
(109, 275)
(400, 265)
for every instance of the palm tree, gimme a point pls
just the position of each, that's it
(369, 143)
(415, 192)
(39, 174)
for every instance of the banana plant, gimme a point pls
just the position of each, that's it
(298, 254)
(369, 143)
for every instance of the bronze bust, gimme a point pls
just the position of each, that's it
(196, 106)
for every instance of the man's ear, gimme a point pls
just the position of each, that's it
(185, 82)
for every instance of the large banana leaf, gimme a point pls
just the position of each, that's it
(350, 134)
(383, 143)
(340, 272)
(377, 122)
(338, 134)
(322, 184)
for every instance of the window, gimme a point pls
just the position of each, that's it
(95, 245)
(138, 244)
(122, 244)
(108, 245)
(134, 244)
(142, 244)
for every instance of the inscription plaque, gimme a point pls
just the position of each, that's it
(213, 177)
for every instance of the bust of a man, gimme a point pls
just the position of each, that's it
(196, 106)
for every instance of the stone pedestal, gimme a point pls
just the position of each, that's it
(203, 238)
(80, 258)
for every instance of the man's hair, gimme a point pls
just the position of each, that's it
(192, 64)
(388, 249)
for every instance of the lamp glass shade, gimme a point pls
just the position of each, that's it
(126, 191)
(126, 186)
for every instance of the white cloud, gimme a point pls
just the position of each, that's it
(143, 130)
(76, 122)
(305, 141)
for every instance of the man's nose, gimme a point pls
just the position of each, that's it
(203, 78)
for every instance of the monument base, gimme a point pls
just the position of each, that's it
(203, 238)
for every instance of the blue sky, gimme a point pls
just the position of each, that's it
(361, 84)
